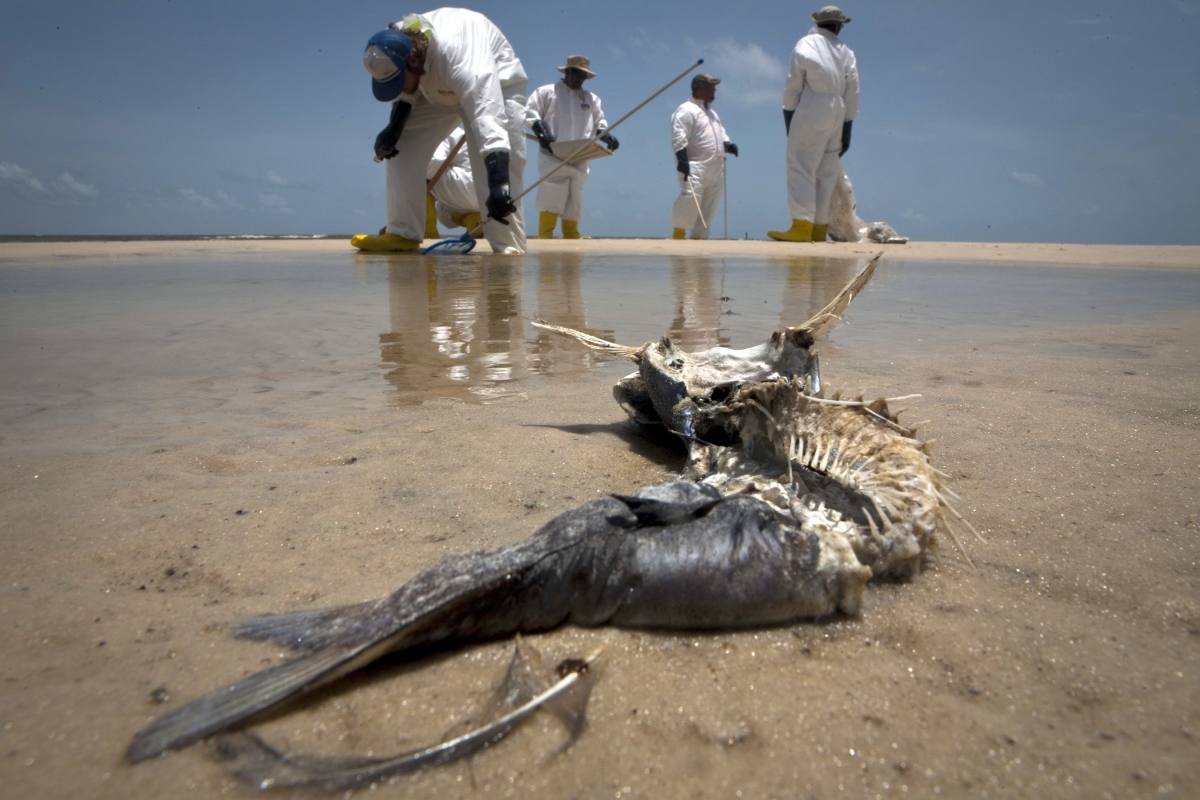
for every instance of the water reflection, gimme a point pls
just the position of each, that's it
(560, 301)
(698, 285)
(458, 324)
(456, 327)
(810, 284)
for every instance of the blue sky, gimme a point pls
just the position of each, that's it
(1016, 121)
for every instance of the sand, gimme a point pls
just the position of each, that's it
(183, 488)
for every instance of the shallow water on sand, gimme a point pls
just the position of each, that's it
(186, 441)
(459, 327)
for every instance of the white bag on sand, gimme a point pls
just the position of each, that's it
(845, 225)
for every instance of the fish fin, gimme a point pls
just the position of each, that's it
(223, 708)
(309, 629)
(832, 312)
(593, 342)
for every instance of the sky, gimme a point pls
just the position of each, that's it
(1009, 122)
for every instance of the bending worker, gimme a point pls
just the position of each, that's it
(439, 69)
(452, 199)
(564, 111)
(820, 101)
(700, 145)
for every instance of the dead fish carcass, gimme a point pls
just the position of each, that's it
(675, 556)
(756, 421)
(790, 503)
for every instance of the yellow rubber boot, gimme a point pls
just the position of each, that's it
(571, 229)
(469, 220)
(546, 222)
(385, 243)
(819, 232)
(677, 233)
(431, 231)
(801, 231)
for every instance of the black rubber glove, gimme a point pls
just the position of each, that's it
(787, 120)
(499, 203)
(611, 141)
(385, 142)
(731, 148)
(539, 130)
(845, 137)
(681, 163)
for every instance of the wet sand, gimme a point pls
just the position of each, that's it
(176, 458)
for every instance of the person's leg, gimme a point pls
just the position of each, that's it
(807, 138)
(551, 196)
(710, 194)
(424, 130)
(573, 209)
(828, 170)
(683, 213)
(503, 238)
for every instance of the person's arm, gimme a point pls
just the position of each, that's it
(681, 133)
(793, 88)
(600, 125)
(386, 141)
(850, 95)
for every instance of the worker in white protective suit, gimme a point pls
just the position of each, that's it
(440, 69)
(452, 200)
(700, 144)
(820, 101)
(566, 112)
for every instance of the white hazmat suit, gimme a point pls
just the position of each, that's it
(567, 115)
(454, 193)
(472, 77)
(822, 90)
(699, 130)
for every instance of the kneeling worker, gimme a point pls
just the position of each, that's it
(452, 199)
(700, 144)
(439, 69)
(565, 112)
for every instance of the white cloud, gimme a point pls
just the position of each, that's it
(74, 186)
(17, 174)
(754, 77)
(273, 202)
(914, 217)
(196, 197)
(277, 179)
(229, 201)
(1028, 179)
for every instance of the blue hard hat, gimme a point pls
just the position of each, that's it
(386, 58)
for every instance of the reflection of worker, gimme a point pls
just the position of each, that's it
(565, 112)
(700, 144)
(820, 101)
(452, 198)
(438, 69)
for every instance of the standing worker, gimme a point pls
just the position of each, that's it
(440, 69)
(564, 111)
(700, 144)
(820, 101)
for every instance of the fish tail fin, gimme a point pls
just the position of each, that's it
(309, 629)
(225, 707)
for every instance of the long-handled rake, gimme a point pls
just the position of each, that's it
(466, 243)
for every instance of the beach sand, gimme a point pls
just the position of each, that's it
(153, 495)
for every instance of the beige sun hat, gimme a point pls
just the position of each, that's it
(830, 14)
(580, 63)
